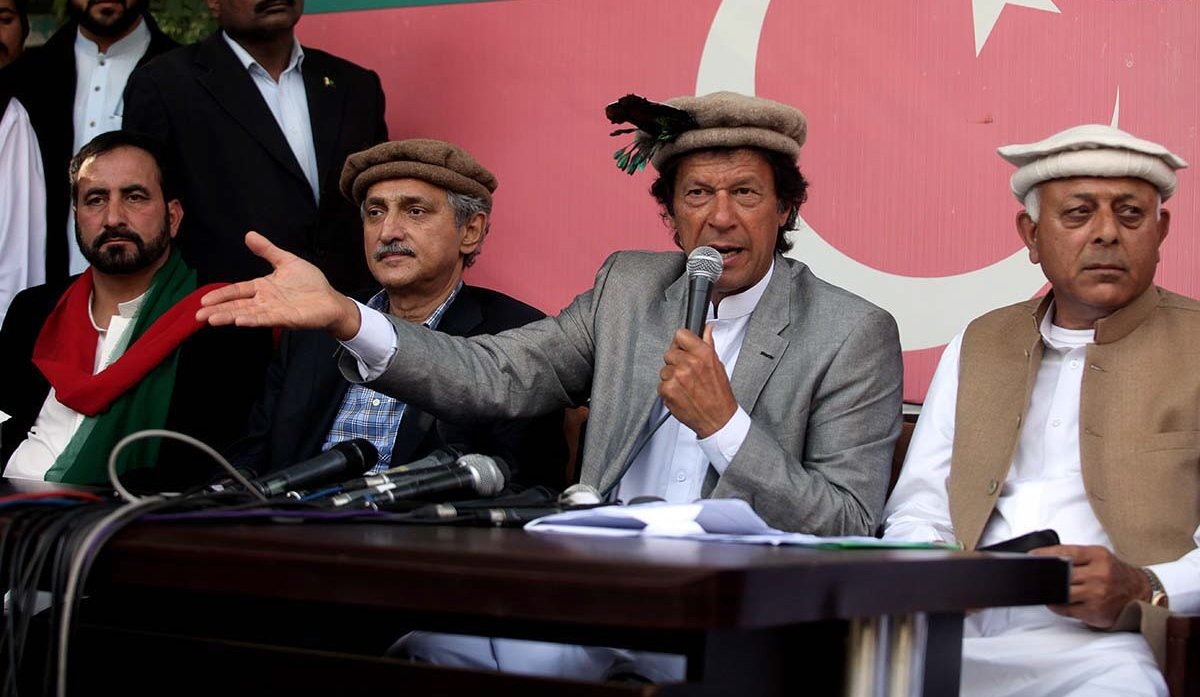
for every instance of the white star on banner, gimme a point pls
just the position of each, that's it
(987, 12)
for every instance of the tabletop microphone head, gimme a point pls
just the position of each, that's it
(483, 474)
(704, 266)
(489, 474)
(343, 459)
(580, 495)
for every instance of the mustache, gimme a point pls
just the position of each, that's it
(93, 3)
(262, 5)
(114, 234)
(390, 248)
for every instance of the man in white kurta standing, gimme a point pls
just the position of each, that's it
(22, 187)
(1078, 412)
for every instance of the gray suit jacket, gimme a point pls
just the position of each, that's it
(819, 373)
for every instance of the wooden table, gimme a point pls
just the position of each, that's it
(308, 608)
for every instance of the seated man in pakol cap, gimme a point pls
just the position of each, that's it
(790, 400)
(426, 208)
(1076, 412)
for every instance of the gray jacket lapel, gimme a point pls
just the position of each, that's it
(762, 348)
(661, 321)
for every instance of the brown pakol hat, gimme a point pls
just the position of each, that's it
(434, 161)
(732, 120)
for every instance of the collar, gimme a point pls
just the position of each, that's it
(134, 43)
(380, 302)
(248, 62)
(1116, 326)
(743, 303)
(125, 310)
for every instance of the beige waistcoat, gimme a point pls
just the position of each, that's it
(1139, 422)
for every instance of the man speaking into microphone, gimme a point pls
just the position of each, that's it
(789, 400)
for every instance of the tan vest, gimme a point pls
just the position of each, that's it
(1139, 421)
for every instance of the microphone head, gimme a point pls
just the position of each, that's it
(705, 262)
(580, 495)
(490, 473)
(358, 450)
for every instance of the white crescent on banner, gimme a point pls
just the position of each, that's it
(929, 311)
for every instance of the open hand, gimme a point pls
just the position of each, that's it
(295, 295)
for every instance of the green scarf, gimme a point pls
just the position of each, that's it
(143, 406)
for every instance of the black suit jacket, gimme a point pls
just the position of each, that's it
(304, 391)
(218, 379)
(44, 81)
(235, 169)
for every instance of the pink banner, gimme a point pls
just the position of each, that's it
(907, 101)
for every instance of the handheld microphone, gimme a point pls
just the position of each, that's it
(483, 474)
(349, 457)
(437, 460)
(704, 266)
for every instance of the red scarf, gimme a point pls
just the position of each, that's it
(65, 351)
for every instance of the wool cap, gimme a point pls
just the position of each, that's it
(732, 120)
(1092, 150)
(434, 161)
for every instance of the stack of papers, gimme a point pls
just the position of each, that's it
(718, 520)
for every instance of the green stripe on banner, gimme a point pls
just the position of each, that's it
(317, 6)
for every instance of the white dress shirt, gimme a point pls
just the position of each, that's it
(100, 79)
(57, 423)
(1014, 650)
(22, 206)
(288, 102)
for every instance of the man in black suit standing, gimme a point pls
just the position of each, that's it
(72, 87)
(425, 207)
(258, 128)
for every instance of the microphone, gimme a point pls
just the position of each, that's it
(580, 495)
(349, 457)
(483, 474)
(704, 266)
(438, 460)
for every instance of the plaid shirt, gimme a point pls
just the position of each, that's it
(375, 416)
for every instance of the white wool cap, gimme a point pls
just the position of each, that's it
(1092, 150)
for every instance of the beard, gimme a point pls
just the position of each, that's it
(120, 260)
(115, 22)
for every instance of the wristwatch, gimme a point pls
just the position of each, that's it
(1158, 594)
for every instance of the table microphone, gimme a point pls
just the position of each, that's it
(484, 474)
(704, 266)
(346, 458)
(438, 460)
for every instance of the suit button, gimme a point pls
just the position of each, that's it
(992, 486)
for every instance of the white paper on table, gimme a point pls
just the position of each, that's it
(717, 520)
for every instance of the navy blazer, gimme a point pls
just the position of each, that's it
(304, 392)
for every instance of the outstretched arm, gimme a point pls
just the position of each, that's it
(295, 295)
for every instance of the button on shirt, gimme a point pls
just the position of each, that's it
(56, 423)
(675, 462)
(373, 415)
(288, 102)
(99, 98)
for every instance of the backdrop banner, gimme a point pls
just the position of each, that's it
(907, 101)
